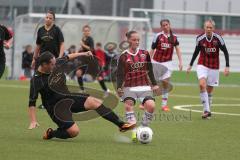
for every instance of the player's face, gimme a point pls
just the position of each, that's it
(209, 28)
(134, 40)
(165, 26)
(86, 31)
(49, 67)
(49, 19)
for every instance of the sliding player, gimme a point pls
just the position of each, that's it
(208, 44)
(50, 81)
(135, 80)
(162, 52)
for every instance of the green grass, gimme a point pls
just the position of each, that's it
(187, 139)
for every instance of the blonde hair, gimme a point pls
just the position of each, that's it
(210, 21)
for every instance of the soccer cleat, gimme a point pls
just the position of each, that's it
(134, 135)
(47, 135)
(165, 109)
(206, 115)
(106, 93)
(127, 126)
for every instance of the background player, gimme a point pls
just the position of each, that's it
(50, 81)
(133, 74)
(87, 44)
(5, 42)
(208, 44)
(162, 52)
(49, 38)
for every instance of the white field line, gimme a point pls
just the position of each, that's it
(187, 108)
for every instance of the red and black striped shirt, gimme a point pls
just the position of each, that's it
(164, 47)
(209, 51)
(135, 69)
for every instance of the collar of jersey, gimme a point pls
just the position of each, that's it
(132, 53)
(207, 37)
(165, 34)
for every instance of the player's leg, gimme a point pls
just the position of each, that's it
(164, 105)
(92, 103)
(149, 105)
(103, 85)
(210, 95)
(212, 81)
(202, 73)
(79, 74)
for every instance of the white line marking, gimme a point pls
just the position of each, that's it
(185, 108)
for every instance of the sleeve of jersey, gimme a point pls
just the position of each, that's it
(155, 42)
(33, 93)
(91, 43)
(120, 71)
(60, 63)
(176, 42)
(150, 71)
(60, 36)
(195, 54)
(38, 40)
(226, 54)
(7, 34)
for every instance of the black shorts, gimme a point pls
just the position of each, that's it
(61, 113)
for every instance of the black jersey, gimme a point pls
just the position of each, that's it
(52, 87)
(5, 35)
(50, 40)
(89, 42)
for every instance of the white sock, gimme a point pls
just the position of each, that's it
(210, 99)
(204, 99)
(146, 118)
(164, 99)
(130, 117)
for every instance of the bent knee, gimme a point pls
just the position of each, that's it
(73, 131)
(92, 103)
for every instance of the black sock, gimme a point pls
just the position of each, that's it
(80, 82)
(60, 133)
(109, 115)
(103, 85)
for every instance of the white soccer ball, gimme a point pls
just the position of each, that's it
(144, 134)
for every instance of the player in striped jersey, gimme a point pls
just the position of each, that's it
(135, 80)
(208, 44)
(162, 52)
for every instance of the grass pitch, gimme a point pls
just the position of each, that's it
(178, 135)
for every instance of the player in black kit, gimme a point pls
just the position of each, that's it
(49, 38)
(50, 81)
(5, 41)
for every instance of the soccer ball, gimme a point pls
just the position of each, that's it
(144, 134)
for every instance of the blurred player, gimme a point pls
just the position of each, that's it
(5, 42)
(135, 80)
(49, 38)
(162, 52)
(50, 81)
(87, 44)
(208, 44)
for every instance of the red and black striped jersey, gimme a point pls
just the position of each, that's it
(164, 45)
(135, 69)
(209, 48)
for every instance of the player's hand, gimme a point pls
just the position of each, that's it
(120, 92)
(89, 53)
(33, 125)
(156, 90)
(33, 64)
(180, 66)
(189, 69)
(6, 45)
(226, 71)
